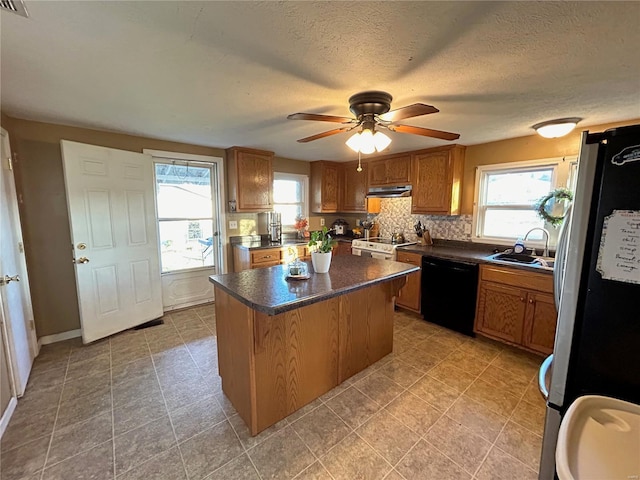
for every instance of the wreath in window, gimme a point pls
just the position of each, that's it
(542, 209)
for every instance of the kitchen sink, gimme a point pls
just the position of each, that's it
(524, 259)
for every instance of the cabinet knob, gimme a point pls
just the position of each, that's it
(531, 300)
(522, 299)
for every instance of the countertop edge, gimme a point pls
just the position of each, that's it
(285, 307)
(474, 257)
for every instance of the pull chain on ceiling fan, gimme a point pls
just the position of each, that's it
(372, 110)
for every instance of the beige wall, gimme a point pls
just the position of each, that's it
(43, 210)
(517, 149)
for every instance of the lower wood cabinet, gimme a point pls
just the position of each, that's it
(517, 307)
(409, 296)
(342, 248)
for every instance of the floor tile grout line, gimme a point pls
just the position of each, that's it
(246, 451)
(313, 454)
(493, 445)
(166, 406)
(55, 421)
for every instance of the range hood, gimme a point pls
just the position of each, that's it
(389, 192)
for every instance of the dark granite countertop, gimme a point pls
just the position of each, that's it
(471, 253)
(267, 290)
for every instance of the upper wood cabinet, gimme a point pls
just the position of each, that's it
(395, 170)
(250, 179)
(436, 176)
(354, 188)
(324, 186)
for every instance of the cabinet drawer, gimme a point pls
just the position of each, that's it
(263, 256)
(517, 278)
(412, 258)
(265, 264)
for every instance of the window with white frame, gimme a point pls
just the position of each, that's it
(290, 194)
(506, 195)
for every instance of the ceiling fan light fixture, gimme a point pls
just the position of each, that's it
(354, 142)
(556, 128)
(368, 142)
(381, 141)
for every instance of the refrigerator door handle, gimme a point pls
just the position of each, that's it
(544, 377)
(561, 255)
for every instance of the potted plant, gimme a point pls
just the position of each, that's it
(321, 245)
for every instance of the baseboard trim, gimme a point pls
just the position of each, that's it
(59, 337)
(6, 416)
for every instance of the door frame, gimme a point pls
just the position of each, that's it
(7, 330)
(164, 156)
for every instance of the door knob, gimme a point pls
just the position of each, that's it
(6, 279)
(82, 260)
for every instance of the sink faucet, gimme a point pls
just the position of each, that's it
(546, 241)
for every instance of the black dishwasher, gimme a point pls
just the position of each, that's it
(449, 289)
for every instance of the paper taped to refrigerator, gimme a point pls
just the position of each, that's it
(619, 254)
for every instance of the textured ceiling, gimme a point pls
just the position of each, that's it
(228, 73)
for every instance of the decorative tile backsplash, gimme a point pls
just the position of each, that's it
(395, 215)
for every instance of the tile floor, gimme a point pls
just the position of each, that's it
(148, 404)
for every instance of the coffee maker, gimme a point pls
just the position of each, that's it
(274, 227)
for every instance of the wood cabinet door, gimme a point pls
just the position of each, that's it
(354, 188)
(377, 173)
(398, 170)
(540, 322)
(324, 187)
(409, 295)
(431, 183)
(255, 182)
(501, 311)
(330, 187)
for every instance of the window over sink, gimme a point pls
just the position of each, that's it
(506, 194)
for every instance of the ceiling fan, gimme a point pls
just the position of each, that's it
(372, 110)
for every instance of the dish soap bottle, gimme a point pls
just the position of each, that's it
(519, 246)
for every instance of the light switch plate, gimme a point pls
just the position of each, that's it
(322, 222)
(233, 224)
(467, 229)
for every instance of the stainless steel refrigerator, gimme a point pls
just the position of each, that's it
(597, 284)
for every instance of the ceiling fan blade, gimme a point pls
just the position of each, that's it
(320, 118)
(409, 111)
(425, 132)
(324, 134)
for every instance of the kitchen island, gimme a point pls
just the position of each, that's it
(283, 343)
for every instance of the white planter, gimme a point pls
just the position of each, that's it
(321, 261)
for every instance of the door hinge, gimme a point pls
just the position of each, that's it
(21, 247)
(9, 163)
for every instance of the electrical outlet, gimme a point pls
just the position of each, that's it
(233, 224)
(322, 222)
(467, 229)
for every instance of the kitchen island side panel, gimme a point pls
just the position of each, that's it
(296, 359)
(366, 326)
(234, 329)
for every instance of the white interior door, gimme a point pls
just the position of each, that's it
(15, 296)
(110, 196)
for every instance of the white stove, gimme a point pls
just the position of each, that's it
(377, 248)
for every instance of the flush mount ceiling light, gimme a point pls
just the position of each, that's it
(556, 128)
